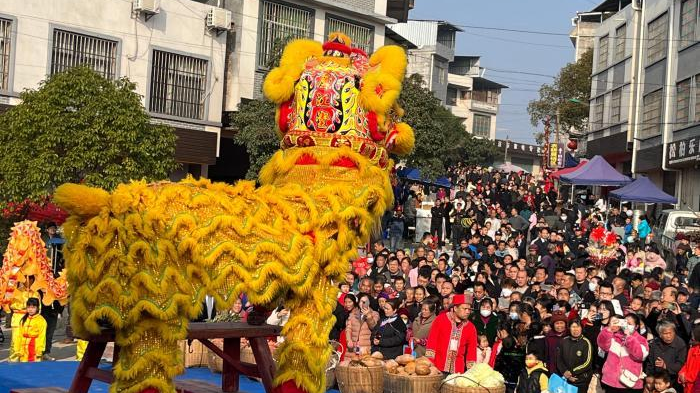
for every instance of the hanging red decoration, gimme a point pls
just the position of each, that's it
(572, 145)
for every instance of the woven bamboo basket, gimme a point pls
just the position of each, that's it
(360, 379)
(195, 354)
(448, 388)
(247, 355)
(216, 364)
(411, 384)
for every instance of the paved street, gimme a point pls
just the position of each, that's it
(59, 351)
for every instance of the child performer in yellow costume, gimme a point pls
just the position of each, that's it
(29, 342)
(19, 309)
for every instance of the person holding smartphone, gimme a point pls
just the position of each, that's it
(361, 321)
(626, 349)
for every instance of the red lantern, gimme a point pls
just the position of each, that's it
(572, 145)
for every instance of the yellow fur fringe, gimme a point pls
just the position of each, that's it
(150, 255)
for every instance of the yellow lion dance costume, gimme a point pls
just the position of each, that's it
(145, 256)
(26, 270)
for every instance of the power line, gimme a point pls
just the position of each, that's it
(558, 34)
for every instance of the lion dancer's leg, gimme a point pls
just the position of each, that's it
(304, 355)
(149, 357)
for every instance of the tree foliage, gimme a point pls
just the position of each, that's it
(80, 127)
(254, 123)
(441, 139)
(572, 82)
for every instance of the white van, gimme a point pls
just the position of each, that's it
(670, 223)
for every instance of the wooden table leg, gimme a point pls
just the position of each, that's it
(91, 359)
(229, 375)
(263, 358)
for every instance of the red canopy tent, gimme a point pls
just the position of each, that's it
(557, 174)
(46, 213)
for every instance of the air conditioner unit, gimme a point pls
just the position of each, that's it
(219, 19)
(147, 7)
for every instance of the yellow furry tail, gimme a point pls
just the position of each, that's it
(80, 200)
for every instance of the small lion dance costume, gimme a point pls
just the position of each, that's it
(25, 271)
(145, 256)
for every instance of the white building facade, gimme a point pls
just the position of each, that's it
(261, 27)
(176, 62)
(457, 81)
(473, 98)
(645, 98)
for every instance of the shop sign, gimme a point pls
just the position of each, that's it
(555, 156)
(683, 152)
(515, 147)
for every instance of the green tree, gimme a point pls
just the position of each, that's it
(254, 123)
(441, 139)
(80, 127)
(572, 83)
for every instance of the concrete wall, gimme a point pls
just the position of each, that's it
(176, 28)
(244, 78)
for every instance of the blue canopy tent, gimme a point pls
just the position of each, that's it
(643, 190)
(414, 174)
(597, 172)
(443, 182)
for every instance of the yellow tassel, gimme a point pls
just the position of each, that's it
(403, 144)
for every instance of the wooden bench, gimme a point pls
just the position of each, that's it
(230, 332)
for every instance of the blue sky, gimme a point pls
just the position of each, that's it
(498, 51)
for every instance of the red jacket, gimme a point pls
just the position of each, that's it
(690, 369)
(437, 348)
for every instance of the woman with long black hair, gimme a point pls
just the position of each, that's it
(389, 336)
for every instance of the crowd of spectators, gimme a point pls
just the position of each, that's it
(518, 254)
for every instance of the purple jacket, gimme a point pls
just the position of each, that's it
(624, 353)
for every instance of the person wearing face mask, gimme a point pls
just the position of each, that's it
(535, 377)
(506, 291)
(486, 322)
(626, 351)
(575, 357)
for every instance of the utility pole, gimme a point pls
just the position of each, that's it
(505, 156)
(545, 151)
(556, 138)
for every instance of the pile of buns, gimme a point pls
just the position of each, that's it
(366, 360)
(407, 365)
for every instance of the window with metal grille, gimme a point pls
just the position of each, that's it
(178, 85)
(452, 96)
(5, 47)
(615, 105)
(279, 24)
(598, 110)
(482, 126)
(651, 123)
(682, 103)
(73, 49)
(362, 37)
(658, 38)
(446, 37)
(440, 72)
(697, 98)
(620, 42)
(603, 52)
(689, 19)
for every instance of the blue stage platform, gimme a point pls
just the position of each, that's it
(60, 374)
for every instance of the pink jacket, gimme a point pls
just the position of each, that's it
(624, 353)
(653, 260)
